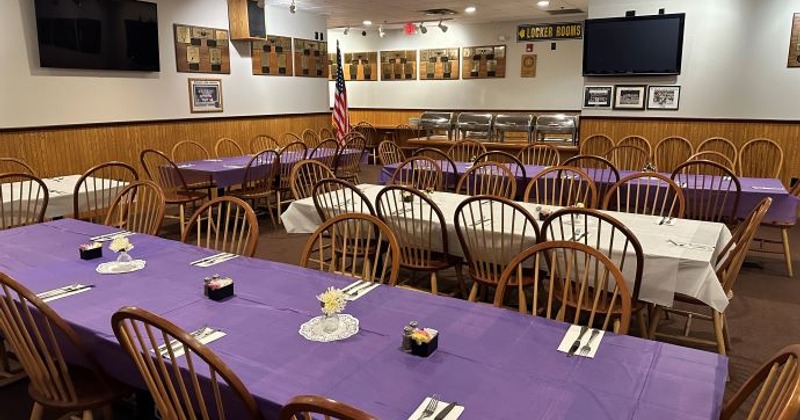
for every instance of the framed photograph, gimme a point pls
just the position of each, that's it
(794, 43)
(597, 96)
(205, 95)
(629, 96)
(663, 97)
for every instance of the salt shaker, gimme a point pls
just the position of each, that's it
(407, 338)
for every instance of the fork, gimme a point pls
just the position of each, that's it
(430, 408)
(586, 349)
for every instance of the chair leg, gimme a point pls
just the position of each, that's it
(473, 294)
(434, 284)
(182, 216)
(726, 332)
(719, 326)
(37, 412)
(87, 415)
(460, 278)
(787, 254)
(521, 298)
(643, 330)
(5, 366)
(279, 206)
(656, 317)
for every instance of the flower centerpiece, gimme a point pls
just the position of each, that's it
(121, 245)
(424, 341)
(332, 302)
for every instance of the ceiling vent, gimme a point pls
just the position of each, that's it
(439, 12)
(558, 12)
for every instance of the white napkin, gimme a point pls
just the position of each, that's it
(756, 187)
(233, 166)
(572, 334)
(54, 295)
(205, 338)
(452, 415)
(662, 222)
(186, 165)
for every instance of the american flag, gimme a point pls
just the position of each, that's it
(340, 115)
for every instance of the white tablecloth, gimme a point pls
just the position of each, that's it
(62, 190)
(667, 268)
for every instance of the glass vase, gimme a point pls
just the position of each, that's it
(330, 323)
(123, 257)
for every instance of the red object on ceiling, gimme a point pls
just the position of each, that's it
(409, 28)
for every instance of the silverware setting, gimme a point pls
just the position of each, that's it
(199, 334)
(586, 349)
(430, 408)
(577, 344)
(481, 222)
(110, 236)
(352, 285)
(63, 290)
(578, 234)
(362, 288)
(665, 220)
(213, 259)
(443, 414)
(690, 245)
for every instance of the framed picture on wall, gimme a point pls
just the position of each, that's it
(205, 95)
(597, 96)
(629, 96)
(663, 97)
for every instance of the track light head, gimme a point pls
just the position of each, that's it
(292, 7)
(346, 30)
(381, 33)
(422, 28)
(442, 26)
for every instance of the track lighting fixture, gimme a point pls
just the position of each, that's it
(292, 7)
(422, 28)
(346, 30)
(442, 26)
(381, 33)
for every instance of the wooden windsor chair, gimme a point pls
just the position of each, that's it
(449, 168)
(389, 153)
(227, 147)
(225, 224)
(258, 183)
(646, 193)
(671, 152)
(305, 174)
(420, 172)
(561, 186)
(263, 142)
(188, 150)
(711, 191)
(10, 165)
(540, 155)
(720, 145)
(466, 150)
(488, 178)
(303, 407)
(628, 157)
(23, 200)
(97, 188)
(760, 158)
(599, 169)
(139, 207)
(596, 145)
(715, 157)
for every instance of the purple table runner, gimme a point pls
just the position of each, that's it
(495, 362)
(783, 210)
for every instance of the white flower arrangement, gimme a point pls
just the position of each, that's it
(120, 243)
(332, 301)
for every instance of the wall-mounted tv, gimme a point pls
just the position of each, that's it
(98, 34)
(641, 45)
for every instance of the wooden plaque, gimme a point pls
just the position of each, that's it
(310, 58)
(399, 65)
(201, 50)
(359, 66)
(528, 65)
(483, 62)
(439, 64)
(273, 56)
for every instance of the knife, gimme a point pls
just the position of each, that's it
(577, 344)
(442, 414)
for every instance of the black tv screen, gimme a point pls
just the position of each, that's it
(98, 34)
(639, 45)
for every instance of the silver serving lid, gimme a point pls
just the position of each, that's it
(437, 119)
(513, 122)
(556, 122)
(470, 119)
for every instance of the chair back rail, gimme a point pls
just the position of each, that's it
(512, 162)
(711, 191)
(333, 197)
(716, 157)
(302, 407)
(671, 152)
(488, 178)
(540, 155)
(23, 200)
(420, 172)
(226, 224)
(389, 153)
(188, 150)
(466, 150)
(355, 245)
(311, 138)
(720, 145)
(191, 393)
(449, 168)
(263, 142)
(646, 193)
(10, 165)
(596, 145)
(572, 282)
(760, 158)
(97, 188)
(326, 152)
(603, 172)
(561, 186)
(639, 142)
(628, 157)
(227, 147)
(139, 207)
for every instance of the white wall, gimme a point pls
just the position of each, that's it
(734, 65)
(35, 96)
(553, 88)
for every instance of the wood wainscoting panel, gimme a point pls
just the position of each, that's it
(53, 151)
(786, 134)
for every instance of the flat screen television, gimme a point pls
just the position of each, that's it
(98, 34)
(641, 45)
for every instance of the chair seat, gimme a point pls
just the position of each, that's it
(252, 193)
(439, 261)
(183, 197)
(90, 390)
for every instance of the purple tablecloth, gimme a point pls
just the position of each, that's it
(497, 363)
(783, 210)
(228, 171)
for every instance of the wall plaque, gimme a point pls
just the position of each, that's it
(201, 50)
(399, 65)
(483, 62)
(271, 57)
(439, 64)
(310, 58)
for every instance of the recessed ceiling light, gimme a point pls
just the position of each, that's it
(367, 22)
(543, 3)
(470, 9)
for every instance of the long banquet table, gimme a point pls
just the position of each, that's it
(495, 362)
(61, 192)
(667, 268)
(753, 190)
(228, 171)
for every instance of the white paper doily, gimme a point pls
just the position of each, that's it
(312, 329)
(114, 267)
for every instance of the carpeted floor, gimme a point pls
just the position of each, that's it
(764, 315)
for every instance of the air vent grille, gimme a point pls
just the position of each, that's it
(558, 12)
(439, 12)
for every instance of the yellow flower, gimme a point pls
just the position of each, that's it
(421, 336)
(332, 301)
(120, 243)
